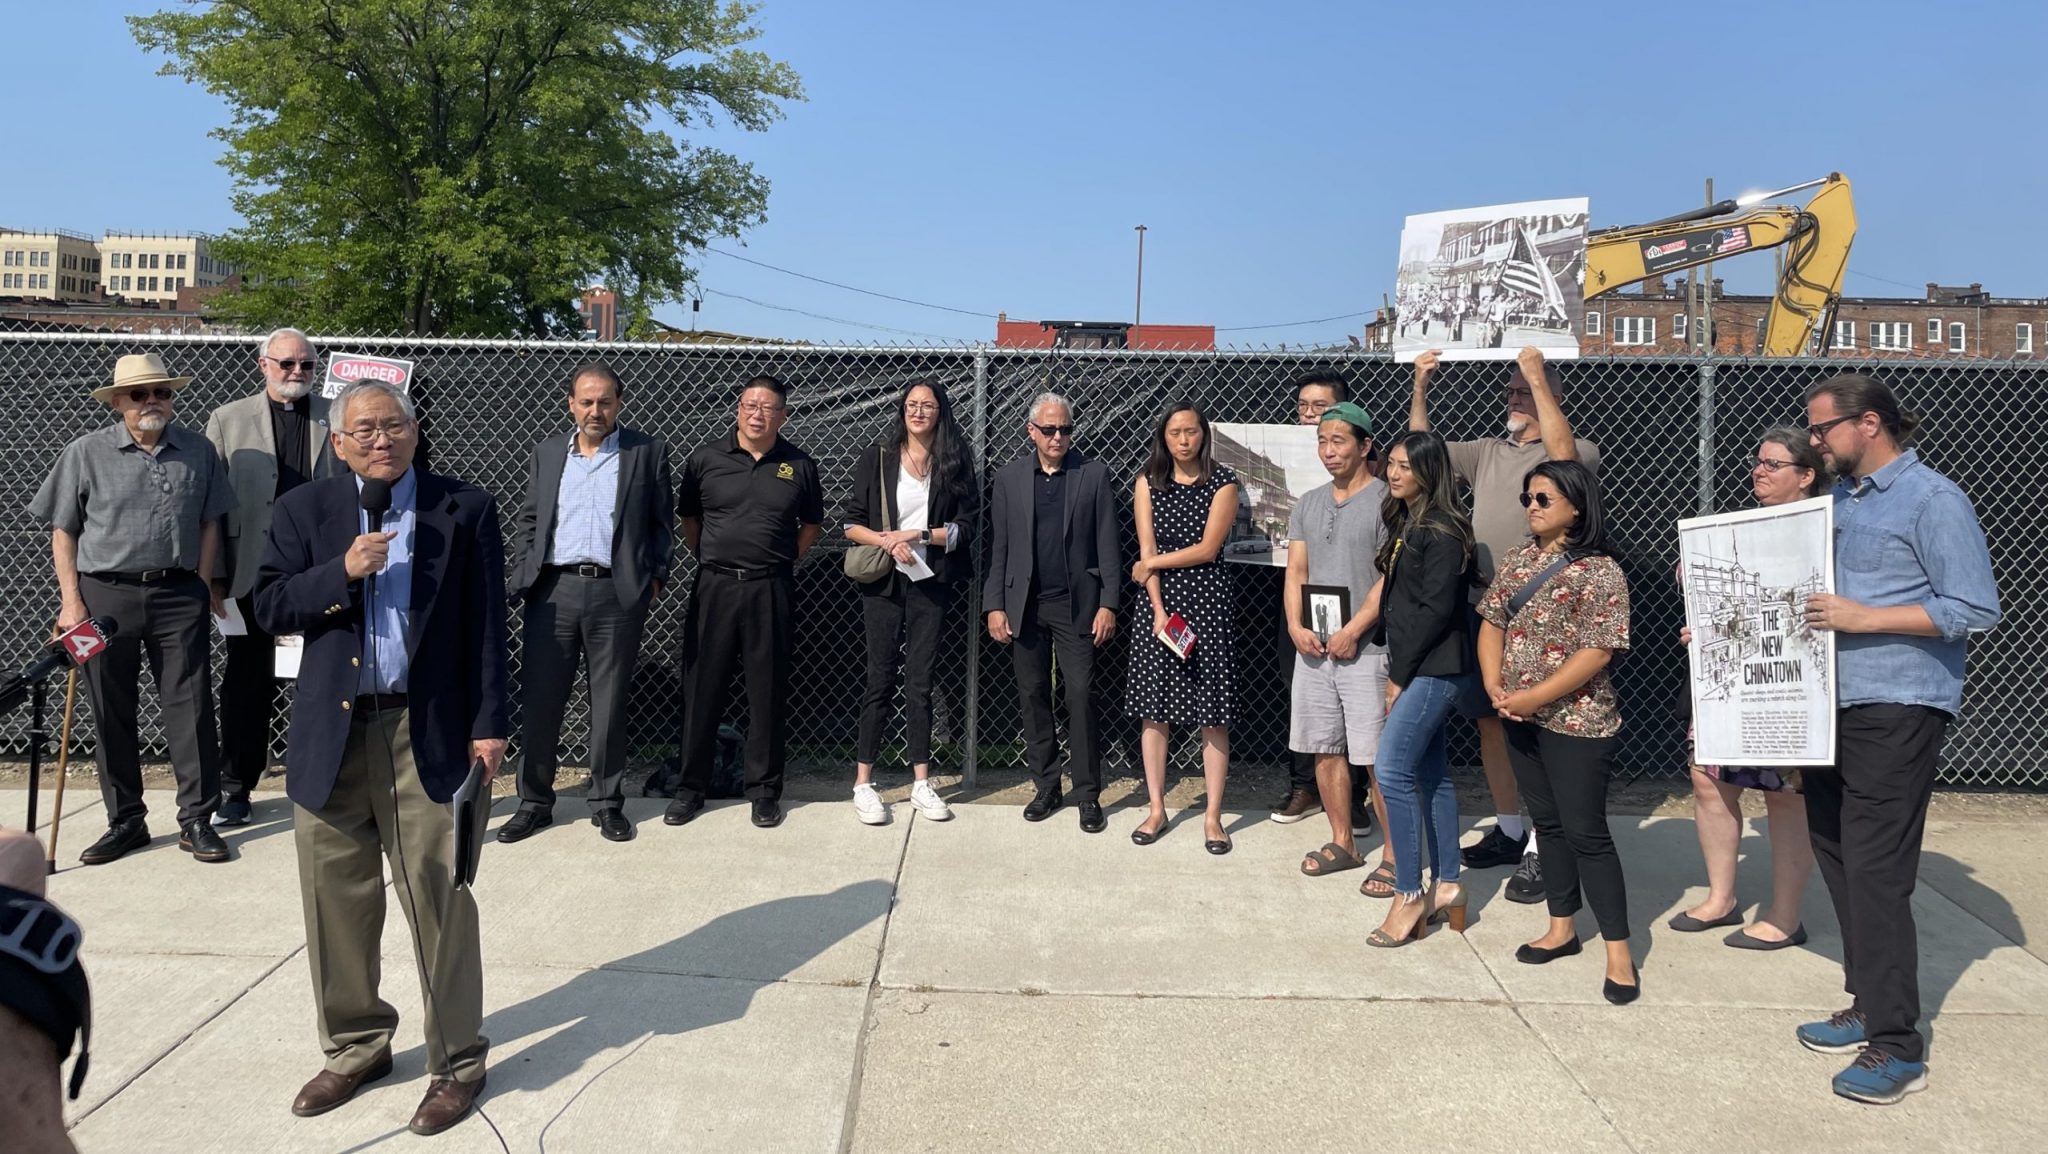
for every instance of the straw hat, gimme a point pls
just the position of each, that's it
(138, 370)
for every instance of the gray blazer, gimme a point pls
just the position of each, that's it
(643, 521)
(1094, 569)
(240, 432)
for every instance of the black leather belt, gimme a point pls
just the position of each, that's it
(376, 702)
(583, 570)
(144, 577)
(779, 569)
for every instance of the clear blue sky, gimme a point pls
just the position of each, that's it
(996, 157)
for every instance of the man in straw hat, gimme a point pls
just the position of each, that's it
(135, 513)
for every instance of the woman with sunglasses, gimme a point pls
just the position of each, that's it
(914, 495)
(1787, 468)
(1553, 619)
(1425, 556)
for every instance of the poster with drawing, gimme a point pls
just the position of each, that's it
(1481, 283)
(1275, 465)
(1763, 684)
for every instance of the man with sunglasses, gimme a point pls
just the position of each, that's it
(1536, 431)
(1913, 580)
(135, 512)
(271, 442)
(1055, 582)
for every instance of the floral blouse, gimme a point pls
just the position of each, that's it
(1583, 606)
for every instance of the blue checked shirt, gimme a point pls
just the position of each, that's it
(584, 507)
(1906, 535)
(389, 612)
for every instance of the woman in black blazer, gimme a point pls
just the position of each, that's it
(915, 495)
(1426, 558)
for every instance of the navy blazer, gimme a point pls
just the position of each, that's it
(643, 517)
(455, 682)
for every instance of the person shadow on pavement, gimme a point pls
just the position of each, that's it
(706, 977)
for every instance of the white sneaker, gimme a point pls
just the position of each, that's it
(928, 802)
(868, 804)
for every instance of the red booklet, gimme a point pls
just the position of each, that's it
(1177, 636)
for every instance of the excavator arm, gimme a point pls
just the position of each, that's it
(1816, 237)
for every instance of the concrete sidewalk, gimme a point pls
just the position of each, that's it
(991, 985)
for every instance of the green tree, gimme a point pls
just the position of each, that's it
(466, 167)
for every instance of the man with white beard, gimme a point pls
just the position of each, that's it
(1536, 431)
(135, 512)
(271, 442)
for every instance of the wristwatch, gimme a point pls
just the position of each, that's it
(924, 536)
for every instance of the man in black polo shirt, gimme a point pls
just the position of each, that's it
(751, 507)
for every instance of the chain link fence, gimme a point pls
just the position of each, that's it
(1675, 438)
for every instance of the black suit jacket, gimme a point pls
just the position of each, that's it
(1422, 609)
(1094, 569)
(643, 521)
(881, 466)
(455, 680)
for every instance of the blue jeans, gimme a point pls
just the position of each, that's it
(1415, 780)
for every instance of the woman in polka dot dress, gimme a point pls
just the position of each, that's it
(1185, 503)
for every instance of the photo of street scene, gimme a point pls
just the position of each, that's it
(1275, 465)
(1481, 283)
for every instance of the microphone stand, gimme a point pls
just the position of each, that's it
(37, 735)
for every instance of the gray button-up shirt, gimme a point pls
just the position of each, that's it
(131, 509)
(587, 502)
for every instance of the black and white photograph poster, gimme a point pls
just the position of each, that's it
(1482, 283)
(1275, 465)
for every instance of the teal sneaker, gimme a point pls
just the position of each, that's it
(1842, 1033)
(1880, 1078)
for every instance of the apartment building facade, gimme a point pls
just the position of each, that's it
(151, 268)
(48, 266)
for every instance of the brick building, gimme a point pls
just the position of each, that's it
(1101, 335)
(1947, 322)
(599, 307)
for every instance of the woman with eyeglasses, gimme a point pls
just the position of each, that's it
(1787, 468)
(915, 496)
(1185, 503)
(1552, 621)
(1425, 557)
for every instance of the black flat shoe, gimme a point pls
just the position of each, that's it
(524, 824)
(1685, 923)
(1140, 837)
(767, 813)
(613, 825)
(1538, 955)
(1043, 805)
(1217, 846)
(683, 810)
(1092, 820)
(1744, 940)
(1622, 995)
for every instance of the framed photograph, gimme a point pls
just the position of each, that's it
(1324, 609)
(1480, 283)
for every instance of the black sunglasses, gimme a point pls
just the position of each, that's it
(141, 395)
(1540, 500)
(305, 366)
(1051, 431)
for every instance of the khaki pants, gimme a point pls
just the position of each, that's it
(341, 883)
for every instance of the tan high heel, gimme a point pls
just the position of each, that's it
(1452, 911)
(1415, 933)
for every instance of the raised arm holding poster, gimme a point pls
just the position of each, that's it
(1481, 283)
(1763, 684)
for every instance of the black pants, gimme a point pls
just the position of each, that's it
(1049, 628)
(921, 605)
(1564, 784)
(167, 622)
(568, 616)
(745, 621)
(1867, 813)
(248, 703)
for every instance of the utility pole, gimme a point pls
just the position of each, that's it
(1139, 318)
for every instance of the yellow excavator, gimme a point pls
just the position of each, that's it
(1816, 237)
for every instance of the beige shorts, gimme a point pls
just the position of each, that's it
(1339, 706)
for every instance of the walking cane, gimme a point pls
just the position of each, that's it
(63, 764)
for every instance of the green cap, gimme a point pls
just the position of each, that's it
(1351, 413)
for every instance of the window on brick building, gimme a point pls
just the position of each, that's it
(1845, 335)
(1958, 338)
(2023, 338)
(1933, 330)
(1678, 326)
(1635, 330)
(1592, 324)
(1891, 336)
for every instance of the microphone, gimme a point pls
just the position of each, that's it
(376, 502)
(73, 647)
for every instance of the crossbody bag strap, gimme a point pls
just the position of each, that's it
(1528, 592)
(882, 479)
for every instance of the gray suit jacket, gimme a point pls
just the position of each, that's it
(1095, 575)
(643, 521)
(240, 432)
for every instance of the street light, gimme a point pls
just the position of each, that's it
(1140, 310)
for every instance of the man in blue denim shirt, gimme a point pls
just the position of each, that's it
(1914, 578)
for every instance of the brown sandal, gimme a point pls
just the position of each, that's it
(1331, 859)
(1381, 879)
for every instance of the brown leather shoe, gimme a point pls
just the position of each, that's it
(329, 1089)
(447, 1102)
(1300, 803)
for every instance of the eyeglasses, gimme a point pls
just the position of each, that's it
(920, 407)
(759, 409)
(1051, 431)
(1772, 464)
(141, 395)
(1821, 430)
(304, 366)
(1540, 500)
(1312, 408)
(366, 435)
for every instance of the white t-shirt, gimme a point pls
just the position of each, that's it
(913, 506)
